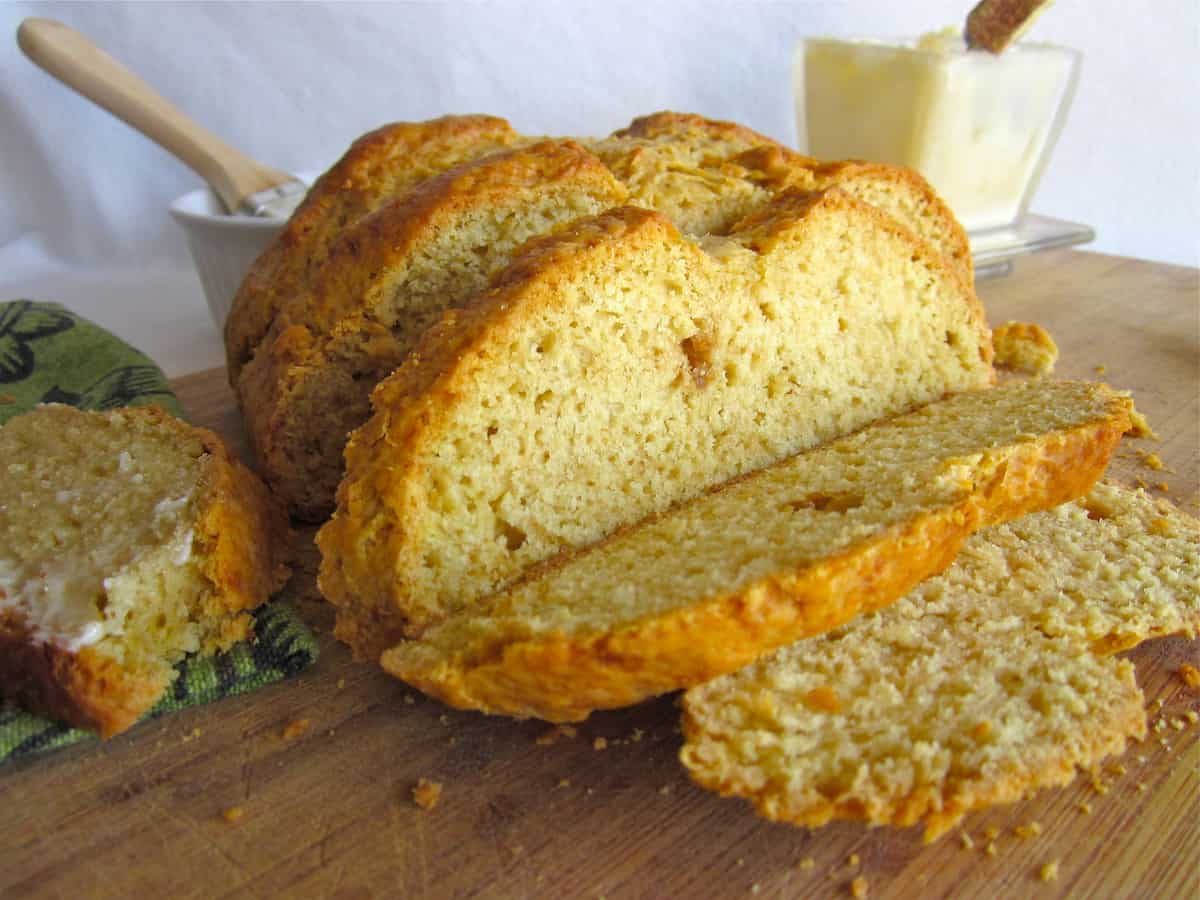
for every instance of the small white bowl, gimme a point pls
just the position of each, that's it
(223, 246)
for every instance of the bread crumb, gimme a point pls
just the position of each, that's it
(665, 789)
(341, 683)
(1160, 726)
(295, 728)
(1024, 347)
(1158, 702)
(1163, 486)
(741, 861)
(807, 863)
(990, 849)
(965, 840)
(553, 735)
(1100, 370)
(1141, 787)
(599, 744)
(1190, 675)
(408, 699)
(1084, 807)
(638, 734)
(195, 733)
(1177, 724)
(1033, 829)
(1191, 716)
(991, 832)
(981, 730)
(1151, 460)
(755, 888)
(564, 782)
(1142, 759)
(331, 732)
(1099, 786)
(823, 699)
(1161, 527)
(1140, 427)
(233, 814)
(444, 719)
(854, 859)
(1162, 742)
(859, 888)
(427, 793)
(1119, 770)
(1049, 872)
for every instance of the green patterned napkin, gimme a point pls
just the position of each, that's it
(49, 354)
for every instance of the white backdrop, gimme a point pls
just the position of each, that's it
(293, 84)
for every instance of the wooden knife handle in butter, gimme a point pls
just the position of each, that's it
(78, 63)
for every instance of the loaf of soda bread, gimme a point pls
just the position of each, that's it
(127, 540)
(615, 368)
(336, 304)
(983, 685)
(794, 549)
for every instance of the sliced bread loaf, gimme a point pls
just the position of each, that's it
(386, 279)
(978, 688)
(127, 539)
(616, 368)
(379, 166)
(794, 549)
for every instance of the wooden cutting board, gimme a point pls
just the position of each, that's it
(605, 810)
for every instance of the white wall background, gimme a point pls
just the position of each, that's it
(292, 84)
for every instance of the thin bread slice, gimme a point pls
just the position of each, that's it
(616, 368)
(791, 550)
(978, 688)
(127, 539)
(387, 278)
(380, 166)
(993, 25)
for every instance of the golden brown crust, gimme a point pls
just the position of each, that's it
(84, 689)
(332, 341)
(383, 163)
(994, 24)
(685, 125)
(563, 677)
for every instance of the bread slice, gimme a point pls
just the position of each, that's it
(385, 281)
(381, 165)
(127, 540)
(792, 550)
(616, 368)
(706, 175)
(978, 688)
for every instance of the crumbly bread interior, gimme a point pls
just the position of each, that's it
(1024, 347)
(813, 513)
(309, 386)
(616, 368)
(978, 688)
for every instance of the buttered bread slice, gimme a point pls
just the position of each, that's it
(791, 550)
(127, 540)
(983, 685)
(616, 368)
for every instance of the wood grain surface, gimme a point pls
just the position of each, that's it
(606, 810)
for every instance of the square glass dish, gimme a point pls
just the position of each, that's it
(980, 127)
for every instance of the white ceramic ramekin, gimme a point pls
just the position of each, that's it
(223, 246)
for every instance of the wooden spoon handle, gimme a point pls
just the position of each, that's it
(78, 63)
